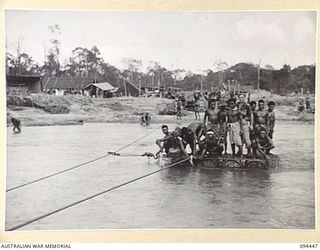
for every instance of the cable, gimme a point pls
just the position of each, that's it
(80, 165)
(92, 196)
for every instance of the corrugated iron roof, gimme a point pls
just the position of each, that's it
(66, 82)
(104, 86)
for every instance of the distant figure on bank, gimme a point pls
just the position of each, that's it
(308, 105)
(183, 100)
(16, 125)
(300, 106)
(197, 109)
(178, 109)
(145, 119)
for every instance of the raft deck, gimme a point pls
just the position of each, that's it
(230, 161)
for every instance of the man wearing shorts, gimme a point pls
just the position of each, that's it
(246, 120)
(235, 127)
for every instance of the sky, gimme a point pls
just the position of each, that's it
(193, 41)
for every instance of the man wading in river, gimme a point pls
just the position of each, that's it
(16, 125)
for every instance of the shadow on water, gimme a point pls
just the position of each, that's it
(177, 175)
(231, 178)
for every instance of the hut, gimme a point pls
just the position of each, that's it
(66, 85)
(23, 84)
(101, 89)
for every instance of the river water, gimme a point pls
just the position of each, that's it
(281, 198)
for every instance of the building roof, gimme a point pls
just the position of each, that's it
(15, 80)
(103, 86)
(66, 82)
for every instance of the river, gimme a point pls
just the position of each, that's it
(179, 198)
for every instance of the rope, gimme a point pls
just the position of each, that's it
(80, 165)
(92, 196)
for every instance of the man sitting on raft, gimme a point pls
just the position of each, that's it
(177, 146)
(172, 143)
(164, 143)
(211, 146)
(189, 138)
(262, 144)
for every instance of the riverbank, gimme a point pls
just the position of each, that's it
(40, 110)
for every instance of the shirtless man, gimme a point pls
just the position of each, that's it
(188, 138)
(177, 144)
(223, 113)
(197, 109)
(235, 127)
(198, 130)
(247, 121)
(164, 143)
(261, 117)
(272, 119)
(210, 146)
(211, 118)
(262, 144)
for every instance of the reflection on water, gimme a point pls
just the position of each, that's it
(180, 197)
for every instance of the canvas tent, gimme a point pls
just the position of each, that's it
(103, 89)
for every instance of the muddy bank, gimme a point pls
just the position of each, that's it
(44, 110)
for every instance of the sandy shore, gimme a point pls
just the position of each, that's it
(122, 109)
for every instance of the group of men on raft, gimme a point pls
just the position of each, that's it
(245, 123)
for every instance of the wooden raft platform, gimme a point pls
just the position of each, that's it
(229, 161)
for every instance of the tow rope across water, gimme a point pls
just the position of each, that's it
(80, 165)
(93, 196)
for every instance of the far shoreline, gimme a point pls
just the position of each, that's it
(31, 110)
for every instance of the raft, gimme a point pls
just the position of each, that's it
(228, 161)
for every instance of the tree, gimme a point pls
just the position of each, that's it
(133, 65)
(221, 66)
(52, 65)
(85, 62)
(269, 67)
(22, 65)
(110, 73)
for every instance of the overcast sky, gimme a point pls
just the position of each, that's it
(189, 40)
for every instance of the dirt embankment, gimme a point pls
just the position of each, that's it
(42, 109)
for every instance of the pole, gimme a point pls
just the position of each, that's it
(139, 87)
(258, 87)
(125, 86)
(201, 83)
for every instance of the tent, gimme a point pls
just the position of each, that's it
(104, 88)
